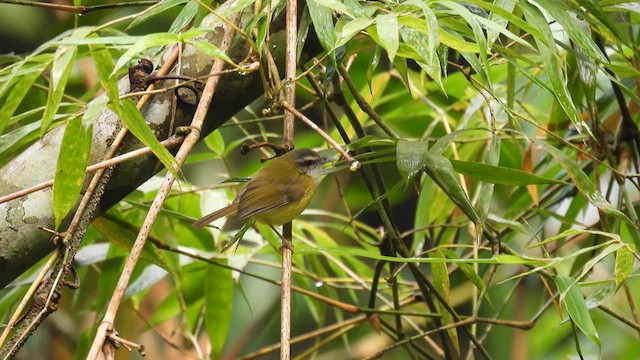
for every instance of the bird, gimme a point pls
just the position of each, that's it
(278, 193)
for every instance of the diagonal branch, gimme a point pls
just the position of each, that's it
(106, 327)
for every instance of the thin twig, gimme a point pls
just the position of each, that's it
(364, 105)
(168, 143)
(355, 164)
(289, 96)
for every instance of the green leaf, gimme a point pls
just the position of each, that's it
(62, 65)
(518, 260)
(146, 42)
(414, 155)
(134, 121)
(164, 6)
(624, 264)
(582, 181)
(70, 168)
(373, 65)
(219, 305)
(185, 17)
(430, 56)
(234, 7)
(500, 20)
(215, 142)
(17, 91)
(441, 171)
(104, 67)
(336, 5)
(473, 20)
(351, 29)
(410, 157)
(387, 26)
(560, 12)
(574, 303)
(499, 174)
(554, 67)
(323, 24)
(443, 286)
(208, 48)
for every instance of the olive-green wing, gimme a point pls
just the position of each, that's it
(258, 198)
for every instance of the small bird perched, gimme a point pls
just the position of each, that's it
(278, 193)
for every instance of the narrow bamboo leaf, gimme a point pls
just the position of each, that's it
(485, 190)
(410, 157)
(322, 23)
(303, 31)
(235, 7)
(13, 140)
(427, 59)
(473, 21)
(215, 142)
(70, 168)
(574, 232)
(604, 293)
(468, 271)
(400, 64)
(373, 65)
(442, 284)
(457, 43)
(17, 92)
(423, 216)
(219, 305)
(356, 9)
(501, 13)
(576, 307)
(164, 6)
(518, 260)
(563, 15)
(624, 264)
(211, 50)
(444, 37)
(134, 121)
(432, 65)
(146, 42)
(610, 248)
(60, 70)
(441, 171)
(336, 5)
(104, 67)
(492, 34)
(353, 28)
(554, 67)
(586, 67)
(582, 182)
(185, 17)
(387, 26)
(499, 174)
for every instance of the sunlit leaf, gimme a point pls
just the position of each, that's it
(582, 181)
(500, 175)
(574, 303)
(387, 25)
(624, 264)
(219, 305)
(323, 24)
(73, 160)
(134, 121)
